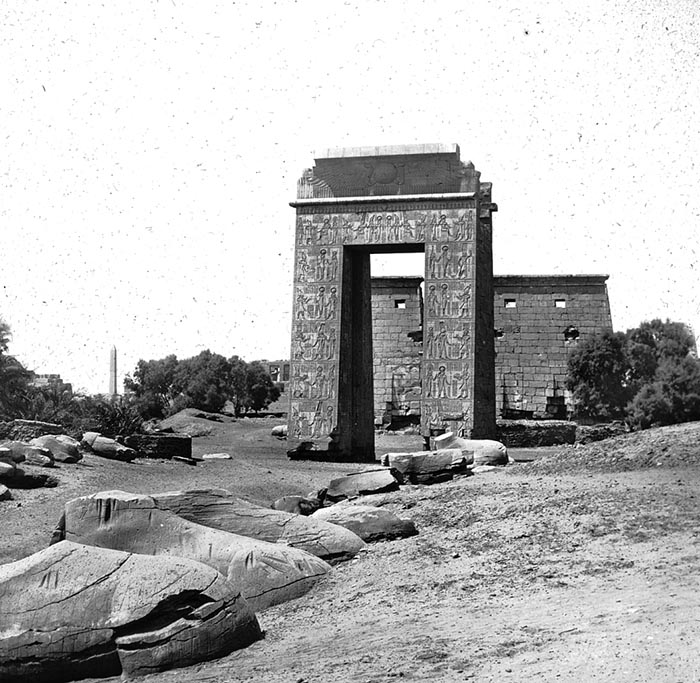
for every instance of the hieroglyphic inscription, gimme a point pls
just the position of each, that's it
(367, 227)
(450, 271)
(449, 238)
(315, 420)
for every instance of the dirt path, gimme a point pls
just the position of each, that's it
(522, 574)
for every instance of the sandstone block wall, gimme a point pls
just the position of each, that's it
(397, 311)
(539, 320)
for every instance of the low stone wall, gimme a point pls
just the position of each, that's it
(164, 446)
(588, 433)
(532, 433)
(26, 430)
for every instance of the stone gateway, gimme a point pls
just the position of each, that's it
(359, 201)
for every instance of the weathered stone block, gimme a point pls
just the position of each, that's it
(165, 446)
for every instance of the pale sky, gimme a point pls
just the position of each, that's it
(151, 150)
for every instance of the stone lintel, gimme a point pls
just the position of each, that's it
(393, 280)
(328, 201)
(388, 151)
(549, 280)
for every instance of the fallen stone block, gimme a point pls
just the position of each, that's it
(297, 505)
(429, 466)
(216, 456)
(5, 493)
(187, 461)
(7, 469)
(486, 451)
(280, 431)
(163, 446)
(73, 611)
(265, 573)
(219, 509)
(30, 480)
(107, 448)
(63, 448)
(30, 455)
(11, 453)
(378, 480)
(368, 522)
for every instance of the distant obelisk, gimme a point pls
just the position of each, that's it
(113, 371)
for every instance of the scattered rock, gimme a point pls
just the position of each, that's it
(216, 456)
(161, 446)
(368, 482)
(73, 611)
(280, 431)
(297, 505)
(30, 480)
(187, 461)
(63, 448)
(7, 469)
(368, 522)
(11, 452)
(5, 493)
(219, 509)
(486, 451)
(30, 455)
(265, 573)
(107, 448)
(429, 467)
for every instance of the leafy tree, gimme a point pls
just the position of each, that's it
(650, 375)
(673, 396)
(648, 345)
(261, 389)
(152, 385)
(238, 384)
(204, 380)
(597, 377)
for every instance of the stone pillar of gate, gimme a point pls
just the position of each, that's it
(390, 199)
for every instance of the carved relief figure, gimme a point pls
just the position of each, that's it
(321, 264)
(333, 266)
(431, 300)
(439, 383)
(441, 342)
(463, 301)
(320, 345)
(303, 270)
(331, 305)
(430, 343)
(302, 302)
(445, 300)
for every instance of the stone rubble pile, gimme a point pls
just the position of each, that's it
(135, 583)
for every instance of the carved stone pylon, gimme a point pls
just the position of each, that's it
(357, 201)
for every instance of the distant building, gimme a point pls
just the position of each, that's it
(538, 320)
(52, 381)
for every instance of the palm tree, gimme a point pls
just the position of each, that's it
(14, 378)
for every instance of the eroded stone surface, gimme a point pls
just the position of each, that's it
(379, 480)
(72, 611)
(219, 509)
(62, 447)
(486, 451)
(107, 448)
(368, 522)
(265, 573)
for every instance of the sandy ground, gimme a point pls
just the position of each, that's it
(569, 565)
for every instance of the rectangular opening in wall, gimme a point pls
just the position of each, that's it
(509, 303)
(560, 303)
(399, 303)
